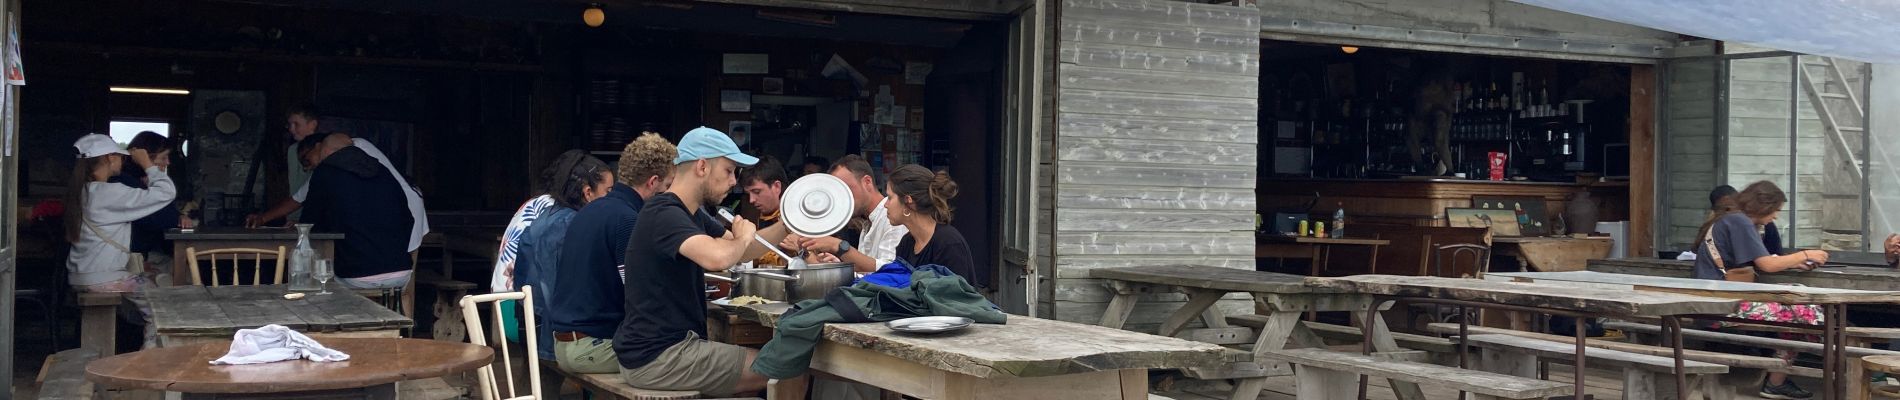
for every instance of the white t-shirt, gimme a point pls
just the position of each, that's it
(414, 199)
(879, 239)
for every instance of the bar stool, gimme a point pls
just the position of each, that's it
(1884, 364)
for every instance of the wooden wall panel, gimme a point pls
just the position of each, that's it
(1156, 145)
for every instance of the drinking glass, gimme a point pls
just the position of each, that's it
(322, 271)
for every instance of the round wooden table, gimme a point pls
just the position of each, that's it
(375, 365)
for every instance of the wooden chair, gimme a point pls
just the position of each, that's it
(477, 336)
(192, 255)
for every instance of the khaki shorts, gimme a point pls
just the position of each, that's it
(696, 364)
(589, 355)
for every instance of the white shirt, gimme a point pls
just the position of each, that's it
(421, 227)
(879, 239)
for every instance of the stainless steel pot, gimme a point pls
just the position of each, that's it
(790, 284)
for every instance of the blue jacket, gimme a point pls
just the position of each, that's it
(588, 273)
(535, 263)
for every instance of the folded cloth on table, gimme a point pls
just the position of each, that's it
(273, 343)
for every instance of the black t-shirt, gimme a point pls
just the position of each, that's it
(946, 248)
(665, 291)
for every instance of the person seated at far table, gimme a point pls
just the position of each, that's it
(763, 184)
(662, 342)
(1730, 248)
(585, 310)
(353, 194)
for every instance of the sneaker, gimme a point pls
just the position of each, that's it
(1786, 391)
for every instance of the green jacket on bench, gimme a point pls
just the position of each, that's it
(789, 353)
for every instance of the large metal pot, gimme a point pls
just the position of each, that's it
(810, 281)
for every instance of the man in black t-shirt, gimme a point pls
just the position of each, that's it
(661, 344)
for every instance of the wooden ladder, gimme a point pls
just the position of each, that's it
(1839, 121)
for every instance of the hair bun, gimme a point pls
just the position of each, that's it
(942, 187)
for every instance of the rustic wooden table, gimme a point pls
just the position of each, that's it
(207, 239)
(1553, 254)
(1026, 358)
(1842, 277)
(1542, 298)
(1842, 376)
(1282, 299)
(187, 315)
(374, 367)
(1320, 250)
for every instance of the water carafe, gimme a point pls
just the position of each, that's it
(300, 260)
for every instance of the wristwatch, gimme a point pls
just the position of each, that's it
(843, 247)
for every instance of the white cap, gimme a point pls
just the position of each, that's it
(94, 145)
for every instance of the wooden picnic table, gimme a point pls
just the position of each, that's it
(1281, 297)
(1026, 358)
(1837, 370)
(374, 367)
(1550, 254)
(217, 238)
(1538, 297)
(1838, 277)
(186, 315)
(1320, 250)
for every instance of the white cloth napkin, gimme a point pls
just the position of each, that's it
(273, 343)
(1686, 256)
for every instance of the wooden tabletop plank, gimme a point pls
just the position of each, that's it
(1024, 347)
(186, 310)
(231, 233)
(353, 312)
(222, 310)
(1838, 277)
(373, 361)
(1604, 302)
(1713, 288)
(1208, 277)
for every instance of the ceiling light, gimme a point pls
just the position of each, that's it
(594, 16)
(148, 90)
(1349, 49)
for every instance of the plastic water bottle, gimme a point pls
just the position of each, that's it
(1339, 221)
(300, 260)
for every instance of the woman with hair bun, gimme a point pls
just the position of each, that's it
(922, 205)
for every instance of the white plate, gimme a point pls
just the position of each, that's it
(929, 324)
(816, 205)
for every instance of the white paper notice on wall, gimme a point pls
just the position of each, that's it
(744, 63)
(16, 70)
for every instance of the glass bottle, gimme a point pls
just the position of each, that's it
(300, 260)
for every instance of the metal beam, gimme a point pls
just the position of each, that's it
(1296, 29)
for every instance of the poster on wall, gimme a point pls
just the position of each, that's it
(16, 71)
(735, 101)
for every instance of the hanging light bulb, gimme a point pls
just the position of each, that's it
(1349, 49)
(594, 16)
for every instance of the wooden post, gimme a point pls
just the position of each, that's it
(1642, 140)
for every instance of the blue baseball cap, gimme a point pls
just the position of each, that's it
(703, 143)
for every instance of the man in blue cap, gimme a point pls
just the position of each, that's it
(661, 343)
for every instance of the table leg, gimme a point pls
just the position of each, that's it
(181, 272)
(1378, 337)
(788, 389)
(1198, 300)
(1126, 296)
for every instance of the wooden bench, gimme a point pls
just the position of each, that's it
(63, 377)
(1645, 377)
(611, 386)
(448, 307)
(98, 320)
(1855, 376)
(1323, 374)
(1745, 372)
(1353, 335)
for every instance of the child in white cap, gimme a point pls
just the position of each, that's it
(99, 216)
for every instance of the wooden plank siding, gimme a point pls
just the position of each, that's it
(1156, 146)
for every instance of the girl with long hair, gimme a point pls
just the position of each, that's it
(1730, 247)
(99, 217)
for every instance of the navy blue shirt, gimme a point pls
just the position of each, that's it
(353, 194)
(588, 273)
(148, 232)
(1735, 237)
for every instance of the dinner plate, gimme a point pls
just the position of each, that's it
(816, 205)
(929, 324)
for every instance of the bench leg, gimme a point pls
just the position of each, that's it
(98, 327)
(1324, 384)
(449, 325)
(1249, 389)
(1118, 309)
(1198, 300)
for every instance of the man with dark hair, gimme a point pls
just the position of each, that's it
(353, 194)
(813, 165)
(877, 243)
(763, 184)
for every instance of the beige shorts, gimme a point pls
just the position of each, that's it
(696, 364)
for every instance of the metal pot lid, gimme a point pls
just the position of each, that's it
(816, 205)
